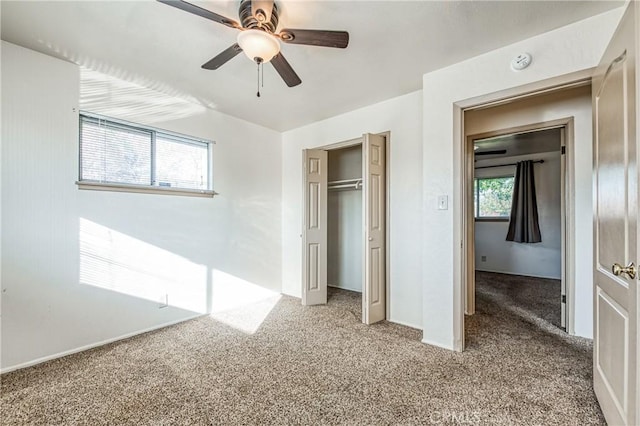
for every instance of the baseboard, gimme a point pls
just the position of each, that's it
(439, 345)
(345, 288)
(94, 345)
(521, 275)
(405, 324)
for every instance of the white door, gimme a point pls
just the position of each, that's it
(374, 183)
(314, 231)
(615, 225)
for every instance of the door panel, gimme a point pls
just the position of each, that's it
(374, 288)
(615, 229)
(612, 188)
(314, 231)
(313, 270)
(613, 364)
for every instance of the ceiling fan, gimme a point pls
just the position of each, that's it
(258, 38)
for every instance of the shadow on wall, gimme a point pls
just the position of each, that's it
(114, 261)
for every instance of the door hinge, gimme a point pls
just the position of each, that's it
(564, 298)
(563, 150)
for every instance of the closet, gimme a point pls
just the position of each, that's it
(344, 219)
(344, 223)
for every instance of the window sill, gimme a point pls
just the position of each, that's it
(492, 219)
(123, 187)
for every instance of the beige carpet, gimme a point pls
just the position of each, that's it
(537, 299)
(316, 365)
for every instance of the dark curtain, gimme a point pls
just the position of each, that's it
(523, 225)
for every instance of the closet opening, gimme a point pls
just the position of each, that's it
(344, 219)
(344, 223)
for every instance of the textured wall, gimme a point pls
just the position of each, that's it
(84, 267)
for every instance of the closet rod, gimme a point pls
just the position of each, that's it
(357, 185)
(504, 165)
(338, 182)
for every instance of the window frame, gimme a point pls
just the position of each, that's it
(476, 207)
(154, 187)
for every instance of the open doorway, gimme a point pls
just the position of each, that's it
(568, 105)
(519, 221)
(568, 109)
(345, 230)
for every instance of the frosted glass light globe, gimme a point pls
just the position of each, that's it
(258, 45)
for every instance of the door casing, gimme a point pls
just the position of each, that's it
(460, 166)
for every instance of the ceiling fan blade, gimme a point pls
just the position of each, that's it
(197, 10)
(261, 10)
(494, 152)
(339, 39)
(223, 58)
(284, 69)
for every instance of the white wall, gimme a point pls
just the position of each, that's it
(402, 116)
(542, 259)
(83, 267)
(563, 51)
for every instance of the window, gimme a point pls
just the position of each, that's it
(493, 197)
(115, 155)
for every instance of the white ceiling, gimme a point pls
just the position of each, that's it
(392, 44)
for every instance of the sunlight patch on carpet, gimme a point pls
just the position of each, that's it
(239, 303)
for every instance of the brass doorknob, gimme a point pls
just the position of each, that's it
(630, 270)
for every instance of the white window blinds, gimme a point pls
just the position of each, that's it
(119, 153)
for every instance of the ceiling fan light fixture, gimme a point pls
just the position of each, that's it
(258, 45)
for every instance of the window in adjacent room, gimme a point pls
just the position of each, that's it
(493, 197)
(115, 155)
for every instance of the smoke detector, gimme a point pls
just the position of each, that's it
(521, 61)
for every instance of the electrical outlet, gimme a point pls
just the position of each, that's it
(483, 258)
(163, 300)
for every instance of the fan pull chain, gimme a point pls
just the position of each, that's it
(260, 70)
(258, 94)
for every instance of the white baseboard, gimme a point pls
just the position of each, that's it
(356, 290)
(437, 344)
(519, 274)
(93, 345)
(406, 324)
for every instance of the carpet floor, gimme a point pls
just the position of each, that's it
(537, 299)
(318, 365)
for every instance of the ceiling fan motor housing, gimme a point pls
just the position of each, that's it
(247, 20)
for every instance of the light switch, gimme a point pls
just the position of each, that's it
(443, 202)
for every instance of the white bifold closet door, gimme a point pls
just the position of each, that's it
(314, 231)
(374, 186)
